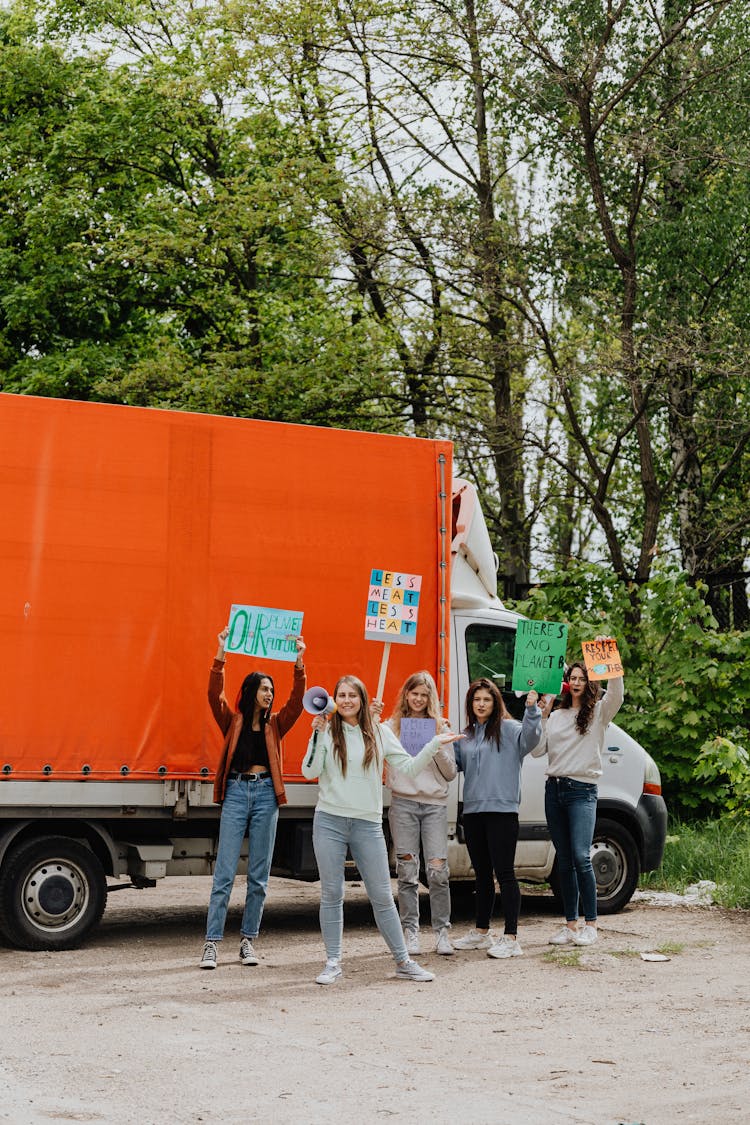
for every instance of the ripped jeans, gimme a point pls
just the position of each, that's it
(411, 821)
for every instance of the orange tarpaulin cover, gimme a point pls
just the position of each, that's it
(128, 533)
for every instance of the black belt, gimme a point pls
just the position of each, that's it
(233, 776)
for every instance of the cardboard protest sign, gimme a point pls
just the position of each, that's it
(255, 630)
(539, 657)
(416, 733)
(602, 658)
(392, 607)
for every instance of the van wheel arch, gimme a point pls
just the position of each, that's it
(617, 866)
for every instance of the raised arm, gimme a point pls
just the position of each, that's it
(613, 699)
(292, 709)
(218, 703)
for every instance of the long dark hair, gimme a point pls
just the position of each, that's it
(499, 710)
(588, 699)
(248, 693)
(364, 719)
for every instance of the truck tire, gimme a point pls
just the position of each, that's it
(617, 867)
(616, 863)
(52, 893)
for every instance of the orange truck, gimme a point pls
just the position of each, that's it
(127, 535)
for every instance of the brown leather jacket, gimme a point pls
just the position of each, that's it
(230, 724)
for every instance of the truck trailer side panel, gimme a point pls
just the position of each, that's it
(128, 533)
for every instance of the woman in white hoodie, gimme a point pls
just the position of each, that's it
(347, 754)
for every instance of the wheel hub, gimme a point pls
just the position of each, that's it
(607, 866)
(54, 894)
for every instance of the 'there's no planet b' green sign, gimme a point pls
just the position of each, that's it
(539, 658)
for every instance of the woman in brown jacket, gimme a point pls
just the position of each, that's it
(249, 787)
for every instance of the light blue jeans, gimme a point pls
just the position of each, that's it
(250, 808)
(570, 808)
(332, 835)
(411, 821)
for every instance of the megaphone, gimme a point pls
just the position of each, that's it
(317, 701)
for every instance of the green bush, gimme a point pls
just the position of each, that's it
(687, 685)
(718, 850)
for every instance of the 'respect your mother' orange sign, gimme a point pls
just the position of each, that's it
(602, 658)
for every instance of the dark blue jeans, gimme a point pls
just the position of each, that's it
(570, 807)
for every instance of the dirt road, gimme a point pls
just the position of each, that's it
(129, 1030)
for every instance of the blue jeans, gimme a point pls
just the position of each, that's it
(250, 808)
(332, 835)
(570, 808)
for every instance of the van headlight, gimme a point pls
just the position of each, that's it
(651, 777)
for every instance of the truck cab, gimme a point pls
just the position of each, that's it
(631, 817)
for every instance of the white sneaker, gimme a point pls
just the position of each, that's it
(209, 956)
(331, 973)
(564, 936)
(443, 943)
(505, 947)
(586, 936)
(411, 937)
(475, 940)
(248, 955)
(410, 970)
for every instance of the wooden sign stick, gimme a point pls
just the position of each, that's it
(383, 669)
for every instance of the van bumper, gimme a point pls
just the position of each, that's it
(651, 813)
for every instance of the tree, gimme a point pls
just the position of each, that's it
(625, 100)
(160, 218)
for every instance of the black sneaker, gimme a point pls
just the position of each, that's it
(210, 955)
(248, 955)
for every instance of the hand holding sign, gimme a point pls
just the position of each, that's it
(602, 658)
(392, 611)
(273, 634)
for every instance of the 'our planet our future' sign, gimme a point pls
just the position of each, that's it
(255, 630)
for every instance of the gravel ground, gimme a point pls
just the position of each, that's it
(129, 1030)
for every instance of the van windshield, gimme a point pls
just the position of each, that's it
(489, 652)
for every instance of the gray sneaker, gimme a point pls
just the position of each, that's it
(475, 940)
(564, 936)
(411, 937)
(586, 936)
(331, 973)
(210, 955)
(443, 943)
(248, 956)
(410, 970)
(505, 947)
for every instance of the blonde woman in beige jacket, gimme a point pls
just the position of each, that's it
(419, 815)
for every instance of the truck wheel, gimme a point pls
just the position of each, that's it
(617, 866)
(52, 893)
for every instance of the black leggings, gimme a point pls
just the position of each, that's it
(491, 838)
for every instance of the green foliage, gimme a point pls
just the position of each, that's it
(717, 850)
(687, 695)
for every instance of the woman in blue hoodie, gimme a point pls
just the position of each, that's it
(490, 757)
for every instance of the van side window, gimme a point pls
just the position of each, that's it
(489, 652)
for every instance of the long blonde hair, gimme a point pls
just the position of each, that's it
(364, 720)
(401, 710)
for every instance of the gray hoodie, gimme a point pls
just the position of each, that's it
(492, 774)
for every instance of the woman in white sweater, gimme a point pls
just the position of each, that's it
(347, 755)
(573, 738)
